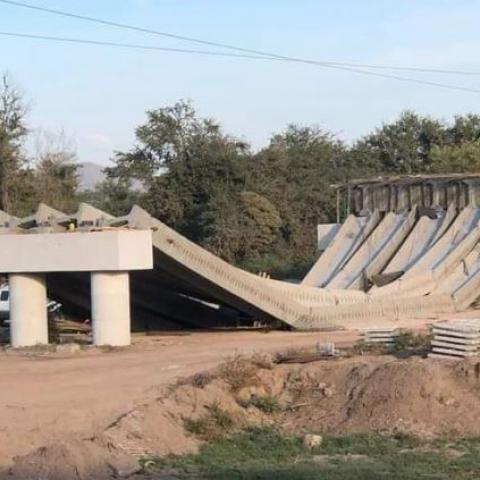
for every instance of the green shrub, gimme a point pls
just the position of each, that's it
(213, 425)
(267, 404)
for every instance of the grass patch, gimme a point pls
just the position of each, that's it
(268, 404)
(211, 426)
(364, 444)
(265, 453)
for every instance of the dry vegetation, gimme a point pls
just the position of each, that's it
(406, 343)
(214, 424)
(227, 421)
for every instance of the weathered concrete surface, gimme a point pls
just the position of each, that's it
(465, 222)
(111, 250)
(110, 293)
(190, 287)
(375, 251)
(425, 233)
(402, 193)
(28, 255)
(326, 233)
(28, 310)
(440, 260)
(353, 232)
(263, 297)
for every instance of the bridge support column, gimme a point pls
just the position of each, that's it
(110, 293)
(28, 309)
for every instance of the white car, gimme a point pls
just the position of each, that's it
(52, 306)
(4, 302)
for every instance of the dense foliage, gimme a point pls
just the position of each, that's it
(257, 209)
(50, 176)
(260, 209)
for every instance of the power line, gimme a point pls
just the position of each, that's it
(131, 45)
(235, 55)
(233, 47)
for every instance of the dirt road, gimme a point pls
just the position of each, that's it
(53, 397)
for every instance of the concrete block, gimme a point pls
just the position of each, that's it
(112, 250)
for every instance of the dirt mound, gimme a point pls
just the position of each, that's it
(422, 397)
(77, 460)
(157, 428)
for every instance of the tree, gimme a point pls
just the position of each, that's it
(295, 173)
(260, 217)
(240, 227)
(170, 134)
(183, 163)
(260, 210)
(464, 158)
(465, 129)
(401, 147)
(56, 175)
(23, 192)
(113, 196)
(460, 152)
(13, 131)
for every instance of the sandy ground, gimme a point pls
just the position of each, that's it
(54, 397)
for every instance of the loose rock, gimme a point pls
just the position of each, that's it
(311, 441)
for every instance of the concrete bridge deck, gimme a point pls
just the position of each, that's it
(190, 287)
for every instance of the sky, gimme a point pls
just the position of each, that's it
(99, 94)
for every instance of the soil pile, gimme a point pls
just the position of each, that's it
(422, 397)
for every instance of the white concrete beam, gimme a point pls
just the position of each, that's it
(109, 250)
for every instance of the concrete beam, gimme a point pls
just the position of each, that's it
(112, 250)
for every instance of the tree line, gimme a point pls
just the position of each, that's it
(257, 209)
(49, 175)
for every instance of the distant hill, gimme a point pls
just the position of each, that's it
(90, 174)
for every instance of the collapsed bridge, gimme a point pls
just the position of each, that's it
(392, 258)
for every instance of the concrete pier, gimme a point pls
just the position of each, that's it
(110, 294)
(28, 309)
(108, 254)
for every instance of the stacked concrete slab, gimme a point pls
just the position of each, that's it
(456, 339)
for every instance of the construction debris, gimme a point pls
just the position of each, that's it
(385, 336)
(456, 339)
(64, 326)
(326, 349)
(322, 351)
(312, 441)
